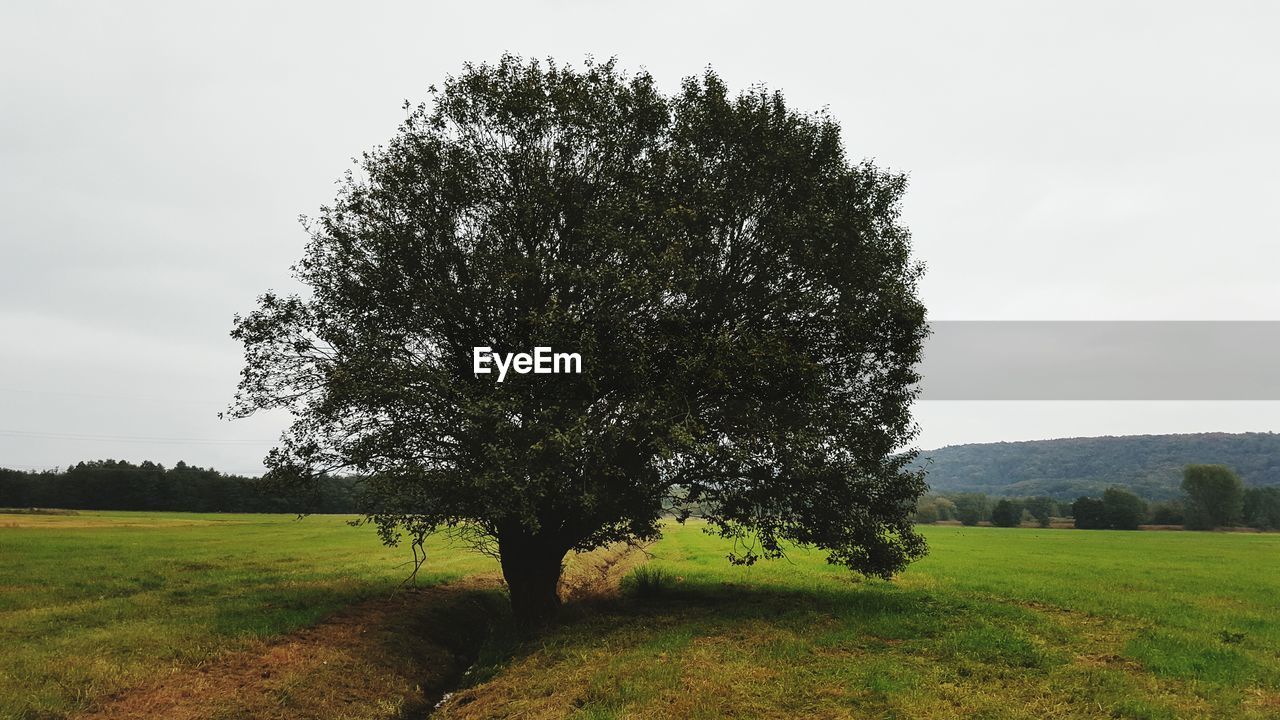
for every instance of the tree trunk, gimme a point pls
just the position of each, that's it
(531, 565)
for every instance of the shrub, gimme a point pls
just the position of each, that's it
(647, 582)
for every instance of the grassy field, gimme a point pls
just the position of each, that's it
(95, 602)
(995, 623)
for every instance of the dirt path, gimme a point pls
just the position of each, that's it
(384, 658)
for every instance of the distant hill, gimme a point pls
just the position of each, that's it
(1150, 465)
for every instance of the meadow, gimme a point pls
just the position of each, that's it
(100, 601)
(994, 623)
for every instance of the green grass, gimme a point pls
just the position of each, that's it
(994, 623)
(94, 602)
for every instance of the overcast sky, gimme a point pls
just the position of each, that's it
(1067, 161)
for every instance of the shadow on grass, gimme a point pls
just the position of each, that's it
(655, 609)
(876, 606)
(704, 644)
(668, 614)
(755, 649)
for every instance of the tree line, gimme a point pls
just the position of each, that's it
(122, 485)
(1213, 496)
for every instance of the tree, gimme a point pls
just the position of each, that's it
(742, 297)
(1167, 512)
(1007, 513)
(1124, 510)
(972, 508)
(945, 508)
(1089, 513)
(926, 511)
(932, 508)
(1262, 508)
(1041, 508)
(1214, 496)
(15, 489)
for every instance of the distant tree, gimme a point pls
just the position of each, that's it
(972, 508)
(1007, 513)
(932, 508)
(1262, 508)
(743, 297)
(1167, 512)
(1124, 510)
(15, 489)
(926, 511)
(1041, 508)
(1089, 513)
(1214, 496)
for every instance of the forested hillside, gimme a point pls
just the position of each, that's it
(1149, 465)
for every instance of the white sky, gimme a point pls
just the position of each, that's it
(1067, 161)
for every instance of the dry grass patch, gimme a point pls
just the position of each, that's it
(598, 574)
(385, 658)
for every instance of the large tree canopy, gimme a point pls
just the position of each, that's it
(741, 294)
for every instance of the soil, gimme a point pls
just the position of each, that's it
(391, 657)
